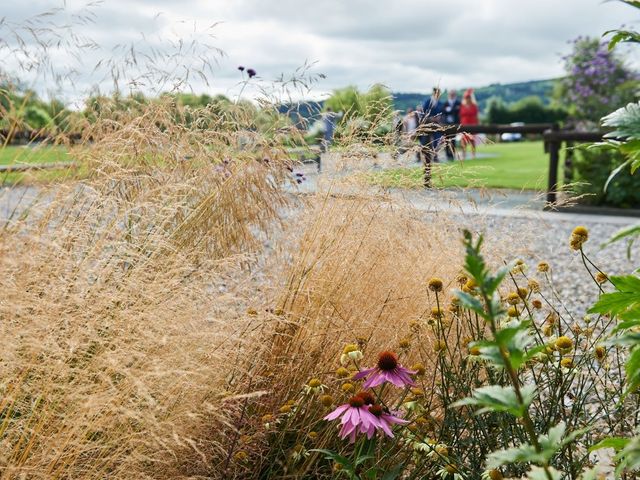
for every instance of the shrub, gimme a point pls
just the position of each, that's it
(592, 168)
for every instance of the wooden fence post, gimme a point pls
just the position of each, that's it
(554, 158)
(568, 163)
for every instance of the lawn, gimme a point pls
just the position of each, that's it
(20, 155)
(518, 165)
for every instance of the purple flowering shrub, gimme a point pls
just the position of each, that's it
(597, 80)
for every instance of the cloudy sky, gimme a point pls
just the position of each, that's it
(408, 45)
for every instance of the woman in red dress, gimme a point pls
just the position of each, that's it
(468, 116)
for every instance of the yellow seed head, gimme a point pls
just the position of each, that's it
(404, 343)
(564, 343)
(543, 267)
(342, 372)
(314, 383)
(349, 347)
(252, 311)
(533, 285)
(512, 312)
(285, 409)
(347, 387)
(436, 312)
(495, 474)
(600, 352)
(461, 279)
(312, 435)
(451, 468)
(417, 392)
(547, 330)
(419, 368)
(475, 350)
(442, 450)
(241, 456)
(326, 400)
(567, 362)
(581, 231)
(440, 346)
(523, 292)
(513, 298)
(435, 284)
(267, 418)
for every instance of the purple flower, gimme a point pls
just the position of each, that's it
(355, 418)
(386, 420)
(251, 72)
(241, 68)
(387, 370)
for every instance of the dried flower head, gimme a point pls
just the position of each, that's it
(326, 400)
(533, 285)
(513, 312)
(567, 362)
(513, 298)
(543, 267)
(347, 387)
(600, 352)
(601, 277)
(419, 368)
(314, 383)
(404, 344)
(564, 343)
(578, 237)
(435, 285)
(342, 372)
(537, 304)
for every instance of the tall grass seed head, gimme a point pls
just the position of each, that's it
(435, 285)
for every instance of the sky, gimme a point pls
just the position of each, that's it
(407, 45)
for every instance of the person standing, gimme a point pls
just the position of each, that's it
(451, 116)
(469, 116)
(409, 127)
(329, 119)
(428, 132)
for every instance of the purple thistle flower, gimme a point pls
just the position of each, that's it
(387, 370)
(251, 72)
(241, 68)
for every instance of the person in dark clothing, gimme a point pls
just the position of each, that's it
(451, 116)
(428, 134)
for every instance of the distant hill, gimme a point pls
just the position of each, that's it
(509, 92)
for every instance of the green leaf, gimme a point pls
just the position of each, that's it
(632, 231)
(615, 172)
(622, 36)
(617, 443)
(625, 299)
(523, 453)
(625, 121)
(632, 367)
(329, 455)
(470, 302)
(495, 398)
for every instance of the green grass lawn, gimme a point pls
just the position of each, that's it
(517, 165)
(20, 155)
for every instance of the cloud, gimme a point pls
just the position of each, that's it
(408, 45)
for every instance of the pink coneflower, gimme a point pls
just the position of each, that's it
(386, 419)
(387, 370)
(355, 418)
